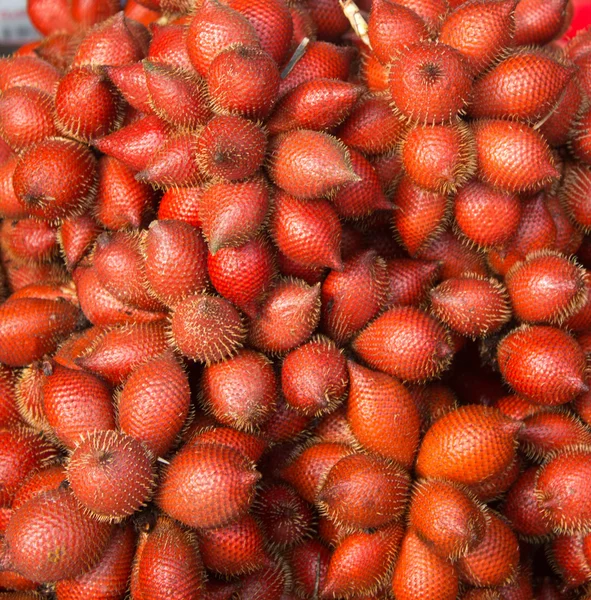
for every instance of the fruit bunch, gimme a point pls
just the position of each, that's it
(296, 301)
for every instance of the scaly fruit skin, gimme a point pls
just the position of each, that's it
(543, 363)
(167, 563)
(562, 490)
(420, 573)
(206, 328)
(447, 516)
(429, 82)
(376, 403)
(207, 485)
(343, 496)
(385, 344)
(154, 403)
(50, 537)
(446, 452)
(111, 474)
(31, 328)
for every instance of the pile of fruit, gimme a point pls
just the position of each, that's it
(296, 301)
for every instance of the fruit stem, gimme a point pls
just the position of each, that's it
(299, 52)
(356, 19)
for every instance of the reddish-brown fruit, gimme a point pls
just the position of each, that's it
(373, 73)
(29, 397)
(117, 351)
(213, 29)
(20, 274)
(243, 80)
(233, 213)
(287, 318)
(26, 117)
(372, 128)
(343, 496)
(119, 266)
(494, 488)
(130, 80)
(446, 516)
(167, 564)
(240, 392)
(32, 327)
(75, 403)
(309, 164)
(23, 451)
(9, 413)
(309, 564)
(364, 196)
(169, 46)
(75, 237)
(175, 260)
(377, 405)
(528, 166)
(495, 559)
(562, 489)
(546, 287)
(486, 216)
(113, 42)
(235, 549)
(536, 231)
(39, 481)
(154, 403)
(429, 82)
(309, 470)
(285, 518)
(407, 343)
(525, 85)
(206, 328)
(10, 206)
(558, 125)
(392, 27)
(272, 22)
(516, 407)
(181, 204)
(28, 71)
(334, 427)
(543, 363)
(480, 30)
(581, 320)
(431, 11)
(268, 583)
(48, 16)
(568, 236)
(362, 562)
(176, 96)
(307, 231)
(433, 400)
(230, 147)
(101, 307)
(472, 305)
(538, 21)
(109, 579)
(578, 142)
(314, 377)
(575, 193)
(320, 104)
(134, 144)
(469, 445)
(331, 23)
(88, 88)
(55, 178)
(286, 425)
(247, 444)
(567, 558)
(29, 240)
(111, 474)
(521, 507)
(419, 215)
(344, 310)
(174, 163)
(207, 485)
(410, 280)
(243, 275)
(439, 158)
(90, 12)
(321, 60)
(122, 201)
(420, 573)
(51, 537)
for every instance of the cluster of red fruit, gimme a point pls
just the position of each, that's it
(293, 311)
